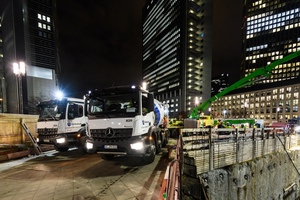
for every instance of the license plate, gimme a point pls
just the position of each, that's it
(110, 146)
(46, 140)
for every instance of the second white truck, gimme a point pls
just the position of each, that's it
(127, 121)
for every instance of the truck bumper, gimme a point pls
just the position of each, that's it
(61, 140)
(135, 146)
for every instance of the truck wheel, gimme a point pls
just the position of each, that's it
(81, 146)
(158, 145)
(149, 157)
(166, 140)
(107, 156)
(61, 149)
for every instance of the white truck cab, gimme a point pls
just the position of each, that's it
(62, 123)
(125, 121)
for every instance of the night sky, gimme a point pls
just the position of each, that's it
(100, 42)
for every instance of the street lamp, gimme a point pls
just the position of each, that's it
(278, 109)
(224, 111)
(19, 71)
(245, 109)
(196, 101)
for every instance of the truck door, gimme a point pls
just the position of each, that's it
(74, 117)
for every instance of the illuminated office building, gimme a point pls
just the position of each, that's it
(27, 41)
(177, 52)
(272, 30)
(278, 101)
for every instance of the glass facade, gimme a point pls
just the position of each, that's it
(27, 36)
(177, 52)
(272, 30)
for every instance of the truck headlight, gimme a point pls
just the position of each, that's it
(89, 145)
(137, 146)
(61, 140)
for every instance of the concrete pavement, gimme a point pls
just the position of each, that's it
(74, 176)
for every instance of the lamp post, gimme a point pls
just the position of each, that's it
(245, 109)
(19, 71)
(196, 101)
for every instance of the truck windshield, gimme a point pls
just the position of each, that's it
(50, 112)
(114, 106)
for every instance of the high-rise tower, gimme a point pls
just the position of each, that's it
(28, 40)
(272, 30)
(177, 52)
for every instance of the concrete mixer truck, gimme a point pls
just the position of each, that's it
(125, 120)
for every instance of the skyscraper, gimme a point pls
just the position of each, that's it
(272, 30)
(28, 41)
(177, 52)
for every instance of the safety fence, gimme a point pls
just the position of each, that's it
(171, 187)
(214, 148)
(217, 148)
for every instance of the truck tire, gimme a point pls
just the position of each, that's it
(158, 145)
(107, 156)
(149, 157)
(61, 149)
(166, 139)
(81, 145)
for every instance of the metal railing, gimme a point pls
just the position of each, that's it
(171, 187)
(217, 148)
(213, 148)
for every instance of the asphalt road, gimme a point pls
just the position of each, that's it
(72, 175)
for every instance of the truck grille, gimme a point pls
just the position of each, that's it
(47, 131)
(110, 135)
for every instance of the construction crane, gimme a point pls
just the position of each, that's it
(247, 80)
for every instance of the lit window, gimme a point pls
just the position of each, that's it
(40, 25)
(48, 19)
(39, 16)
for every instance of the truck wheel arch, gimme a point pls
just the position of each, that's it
(82, 131)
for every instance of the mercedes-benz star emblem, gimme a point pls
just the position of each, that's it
(109, 132)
